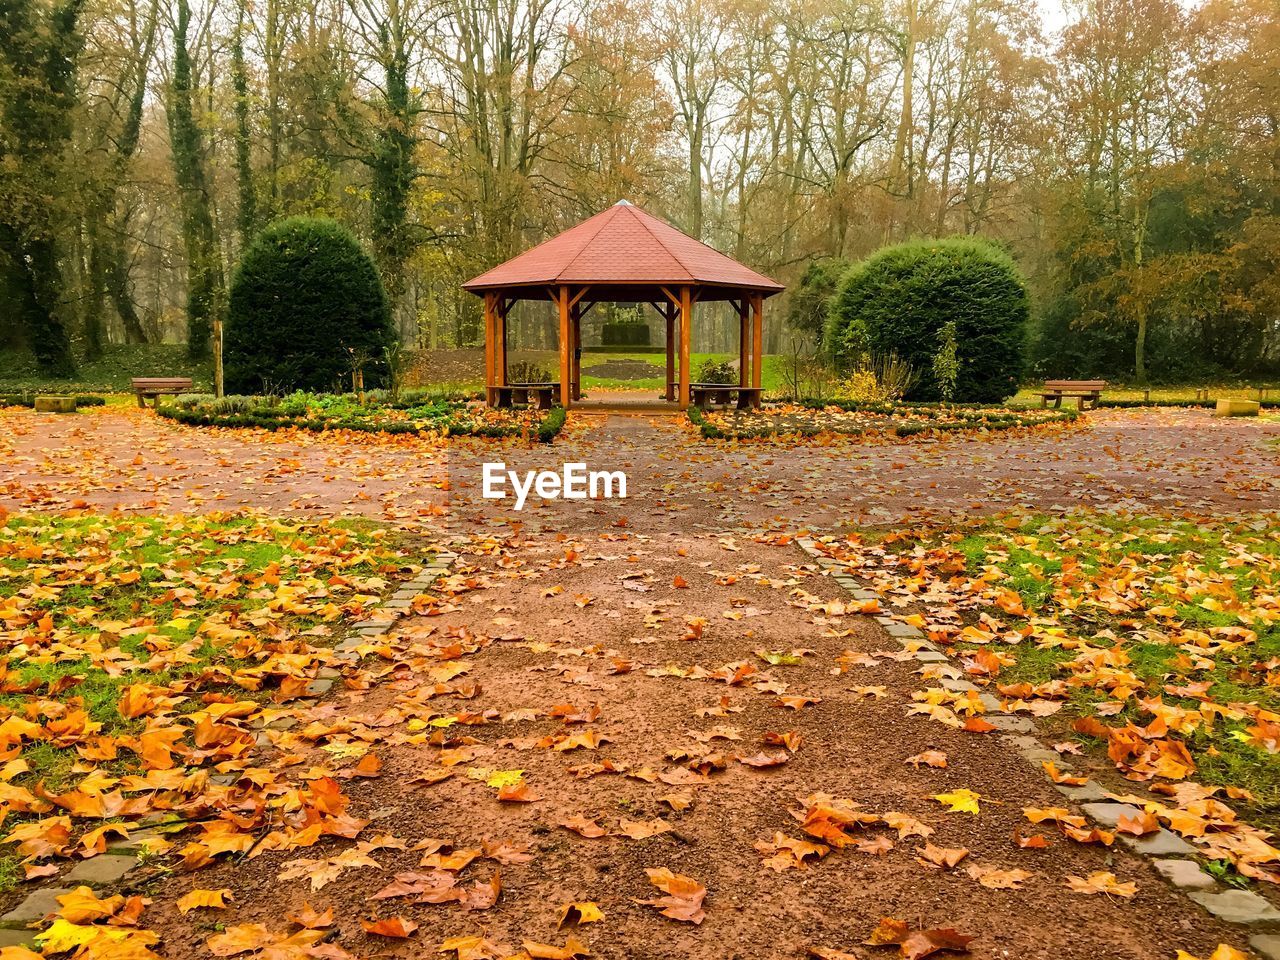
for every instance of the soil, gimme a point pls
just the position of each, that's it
(558, 589)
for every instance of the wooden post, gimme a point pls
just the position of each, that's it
(744, 345)
(566, 341)
(489, 337)
(757, 349)
(577, 351)
(218, 390)
(686, 324)
(501, 308)
(669, 312)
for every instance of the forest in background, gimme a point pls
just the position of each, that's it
(1130, 161)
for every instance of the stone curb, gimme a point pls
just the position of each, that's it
(124, 856)
(1169, 854)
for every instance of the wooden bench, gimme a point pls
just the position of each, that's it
(541, 395)
(154, 387)
(703, 395)
(1084, 392)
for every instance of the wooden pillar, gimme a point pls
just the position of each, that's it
(489, 339)
(566, 346)
(577, 351)
(757, 339)
(669, 391)
(686, 324)
(502, 308)
(744, 344)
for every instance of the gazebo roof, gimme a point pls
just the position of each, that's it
(622, 246)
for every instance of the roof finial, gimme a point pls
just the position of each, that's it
(623, 203)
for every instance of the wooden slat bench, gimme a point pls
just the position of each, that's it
(703, 395)
(541, 395)
(154, 387)
(1084, 392)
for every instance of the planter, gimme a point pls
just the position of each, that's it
(55, 404)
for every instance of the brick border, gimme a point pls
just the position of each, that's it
(1170, 855)
(124, 856)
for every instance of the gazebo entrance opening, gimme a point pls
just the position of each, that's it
(622, 255)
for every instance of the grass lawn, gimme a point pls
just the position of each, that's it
(111, 374)
(109, 622)
(1158, 639)
(1028, 396)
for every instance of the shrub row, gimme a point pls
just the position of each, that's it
(267, 419)
(963, 420)
(1204, 404)
(29, 400)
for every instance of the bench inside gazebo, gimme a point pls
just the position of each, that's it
(624, 255)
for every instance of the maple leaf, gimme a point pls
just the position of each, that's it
(931, 758)
(584, 827)
(396, 928)
(580, 912)
(916, 944)
(81, 906)
(1101, 881)
(572, 948)
(684, 895)
(961, 800)
(944, 857)
(762, 759)
(638, 830)
(1221, 952)
(995, 878)
(204, 900)
(309, 918)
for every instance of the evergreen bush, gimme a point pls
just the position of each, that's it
(914, 300)
(306, 305)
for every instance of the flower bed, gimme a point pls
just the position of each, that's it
(811, 418)
(440, 414)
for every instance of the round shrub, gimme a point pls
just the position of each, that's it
(306, 298)
(913, 300)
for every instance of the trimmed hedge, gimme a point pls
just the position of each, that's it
(267, 419)
(960, 420)
(899, 301)
(1203, 404)
(29, 399)
(304, 296)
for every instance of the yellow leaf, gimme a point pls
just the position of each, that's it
(505, 778)
(959, 801)
(63, 936)
(205, 900)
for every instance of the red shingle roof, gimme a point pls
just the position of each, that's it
(624, 246)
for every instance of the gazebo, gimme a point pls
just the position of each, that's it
(622, 255)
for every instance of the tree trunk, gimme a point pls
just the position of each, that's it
(117, 286)
(204, 265)
(246, 214)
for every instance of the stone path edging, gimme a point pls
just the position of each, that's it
(123, 856)
(1170, 854)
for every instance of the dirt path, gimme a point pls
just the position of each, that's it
(612, 619)
(649, 607)
(1168, 460)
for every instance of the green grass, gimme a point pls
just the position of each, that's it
(1029, 395)
(111, 374)
(93, 604)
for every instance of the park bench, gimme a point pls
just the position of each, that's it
(704, 395)
(1084, 392)
(541, 395)
(154, 387)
